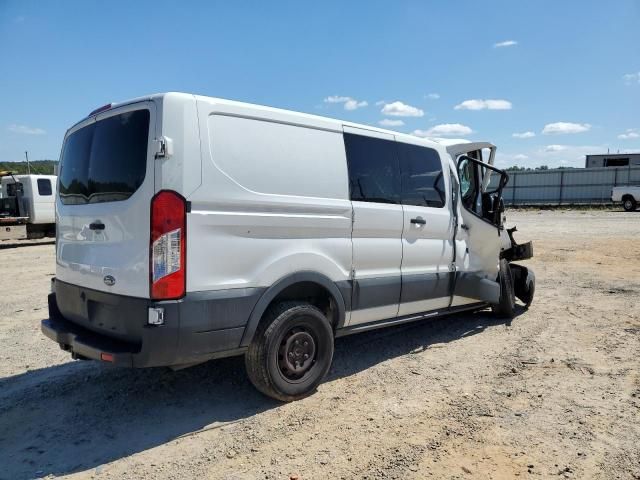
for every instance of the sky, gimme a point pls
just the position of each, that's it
(546, 81)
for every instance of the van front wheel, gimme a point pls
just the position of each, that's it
(506, 306)
(291, 351)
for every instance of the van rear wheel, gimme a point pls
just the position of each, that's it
(291, 351)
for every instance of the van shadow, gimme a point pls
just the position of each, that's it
(76, 416)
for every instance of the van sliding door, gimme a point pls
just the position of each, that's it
(374, 184)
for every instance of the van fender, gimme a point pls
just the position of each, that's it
(273, 291)
(524, 283)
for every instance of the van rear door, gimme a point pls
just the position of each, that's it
(106, 183)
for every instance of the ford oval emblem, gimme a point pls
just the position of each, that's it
(109, 281)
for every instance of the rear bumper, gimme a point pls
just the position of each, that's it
(114, 328)
(76, 341)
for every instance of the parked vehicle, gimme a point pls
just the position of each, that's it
(192, 228)
(27, 206)
(628, 195)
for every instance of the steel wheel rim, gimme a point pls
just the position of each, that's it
(297, 353)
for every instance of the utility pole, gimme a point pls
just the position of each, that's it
(26, 155)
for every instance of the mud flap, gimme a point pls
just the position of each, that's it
(524, 283)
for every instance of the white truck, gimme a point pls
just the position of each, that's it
(628, 195)
(192, 228)
(27, 206)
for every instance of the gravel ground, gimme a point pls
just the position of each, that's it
(553, 394)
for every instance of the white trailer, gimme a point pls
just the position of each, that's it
(27, 207)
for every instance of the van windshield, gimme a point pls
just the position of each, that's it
(105, 161)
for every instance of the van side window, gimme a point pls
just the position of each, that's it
(422, 177)
(44, 187)
(374, 174)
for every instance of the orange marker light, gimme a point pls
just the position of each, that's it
(106, 357)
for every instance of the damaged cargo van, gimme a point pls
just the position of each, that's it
(191, 228)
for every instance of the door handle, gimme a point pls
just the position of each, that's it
(96, 226)
(419, 221)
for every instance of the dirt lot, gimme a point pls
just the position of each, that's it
(554, 394)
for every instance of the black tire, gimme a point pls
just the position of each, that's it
(276, 362)
(506, 307)
(629, 204)
(531, 291)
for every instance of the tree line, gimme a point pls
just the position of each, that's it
(42, 167)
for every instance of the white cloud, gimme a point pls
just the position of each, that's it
(631, 78)
(445, 130)
(565, 155)
(550, 155)
(559, 128)
(555, 148)
(506, 43)
(432, 96)
(336, 99)
(25, 130)
(387, 122)
(380, 102)
(524, 135)
(479, 104)
(349, 103)
(630, 134)
(399, 109)
(354, 104)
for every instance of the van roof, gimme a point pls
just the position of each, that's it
(295, 117)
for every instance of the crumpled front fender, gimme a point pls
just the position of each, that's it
(517, 251)
(524, 283)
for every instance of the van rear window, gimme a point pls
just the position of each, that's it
(105, 161)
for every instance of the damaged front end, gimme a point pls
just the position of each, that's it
(524, 280)
(517, 251)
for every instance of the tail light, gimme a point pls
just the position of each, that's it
(168, 246)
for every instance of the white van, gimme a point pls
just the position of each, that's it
(192, 228)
